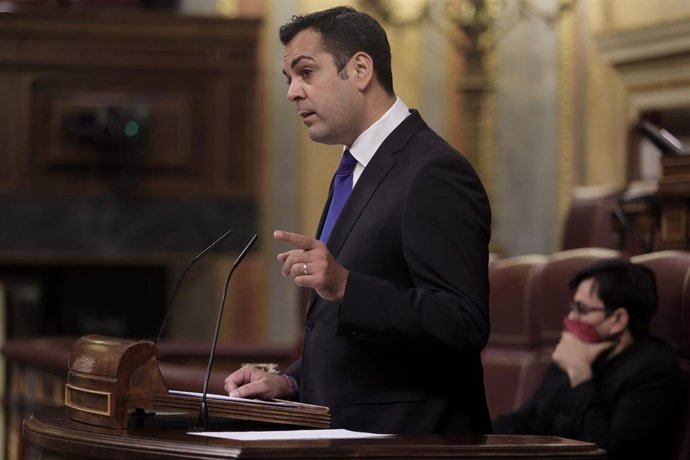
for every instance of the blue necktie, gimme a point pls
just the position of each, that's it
(342, 186)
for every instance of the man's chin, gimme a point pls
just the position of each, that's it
(320, 137)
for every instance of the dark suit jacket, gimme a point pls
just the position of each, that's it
(401, 353)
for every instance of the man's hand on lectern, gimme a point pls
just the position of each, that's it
(251, 382)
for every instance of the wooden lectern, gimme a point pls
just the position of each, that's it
(109, 377)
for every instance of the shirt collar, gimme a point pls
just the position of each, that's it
(364, 147)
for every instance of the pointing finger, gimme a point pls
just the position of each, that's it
(295, 239)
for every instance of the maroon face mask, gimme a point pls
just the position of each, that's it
(583, 331)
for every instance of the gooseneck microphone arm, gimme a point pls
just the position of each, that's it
(203, 410)
(179, 281)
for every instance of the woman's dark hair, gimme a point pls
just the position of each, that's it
(345, 31)
(620, 283)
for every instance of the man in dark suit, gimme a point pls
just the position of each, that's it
(398, 312)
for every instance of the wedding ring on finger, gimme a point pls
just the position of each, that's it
(305, 270)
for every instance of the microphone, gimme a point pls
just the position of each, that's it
(666, 142)
(179, 281)
(203, 409)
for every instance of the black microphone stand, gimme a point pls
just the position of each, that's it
(203, 409)
(179, 281)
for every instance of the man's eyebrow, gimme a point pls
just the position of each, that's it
(297, 59)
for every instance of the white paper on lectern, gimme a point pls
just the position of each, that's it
(233, 398)
(288, 435)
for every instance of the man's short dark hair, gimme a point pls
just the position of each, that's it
(620, 283)
(345, 31)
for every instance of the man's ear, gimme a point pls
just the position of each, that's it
(620, 318)
(363, 66)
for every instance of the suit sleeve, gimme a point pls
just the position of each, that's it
(445, 231)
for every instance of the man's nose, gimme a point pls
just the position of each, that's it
(295, 91)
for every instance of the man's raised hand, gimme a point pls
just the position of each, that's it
(312, 265)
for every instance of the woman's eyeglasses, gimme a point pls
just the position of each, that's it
(582, 309)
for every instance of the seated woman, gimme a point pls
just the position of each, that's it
(610, 381)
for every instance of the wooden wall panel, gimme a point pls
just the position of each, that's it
(194, 76)
(65, 200)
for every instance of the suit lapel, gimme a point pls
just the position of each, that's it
(377, 169)
(372, 176)
(369, 181)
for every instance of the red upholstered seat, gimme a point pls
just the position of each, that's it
(510, 376)
(510, 359)
(672, 319)
(512, 321)
(588, 223)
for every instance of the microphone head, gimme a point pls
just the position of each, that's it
(667, 143)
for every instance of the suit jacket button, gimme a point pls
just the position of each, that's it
(309, 325)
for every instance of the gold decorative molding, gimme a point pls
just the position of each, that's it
(645, 43)
(653, 65)
(486, 122)
(566, 117)
(650, 58)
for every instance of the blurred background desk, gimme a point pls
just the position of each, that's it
(658, 220)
